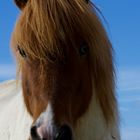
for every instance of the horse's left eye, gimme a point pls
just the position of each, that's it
(84, 49)
(22, 52)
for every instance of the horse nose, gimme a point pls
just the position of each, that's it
(34, 134)
(64, 133)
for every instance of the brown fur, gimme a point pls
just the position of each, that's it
(55, 28)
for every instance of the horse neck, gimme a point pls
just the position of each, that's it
(92, 126)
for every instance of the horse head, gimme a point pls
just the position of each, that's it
(65, 59)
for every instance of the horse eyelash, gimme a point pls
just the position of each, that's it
(84, 49)
(21, 52)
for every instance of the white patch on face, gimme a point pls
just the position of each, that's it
(44, 123)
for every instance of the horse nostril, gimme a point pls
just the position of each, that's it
(34, 134)
(64, 133)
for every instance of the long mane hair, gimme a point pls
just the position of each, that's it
(50, 24)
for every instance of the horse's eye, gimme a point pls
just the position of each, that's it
(22, 52)
(51, 57)
(84, 49)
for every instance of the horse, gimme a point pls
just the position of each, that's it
(66, 65)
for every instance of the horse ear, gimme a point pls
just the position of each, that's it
(21, 3)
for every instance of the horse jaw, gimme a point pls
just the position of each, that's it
(92, 126)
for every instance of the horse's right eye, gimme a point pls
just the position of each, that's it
(22, 52)
(84, 49)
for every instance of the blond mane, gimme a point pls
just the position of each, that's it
(53, 24)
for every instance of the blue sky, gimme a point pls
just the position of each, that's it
(123, 17)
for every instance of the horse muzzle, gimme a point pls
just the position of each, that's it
(41, 133)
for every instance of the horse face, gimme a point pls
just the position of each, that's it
(57, 88)
(57, 91)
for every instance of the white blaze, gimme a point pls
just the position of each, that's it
(45, 124)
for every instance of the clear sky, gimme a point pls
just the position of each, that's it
(123, 17)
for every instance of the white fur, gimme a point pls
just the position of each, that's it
(15, 122)
(45, 117)
(45, 121)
